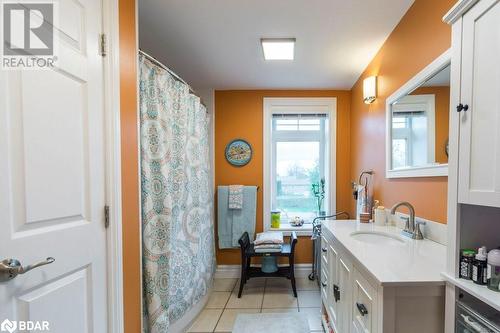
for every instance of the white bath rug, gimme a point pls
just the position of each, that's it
(271, 322)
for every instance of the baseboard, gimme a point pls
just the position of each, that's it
(234, 271)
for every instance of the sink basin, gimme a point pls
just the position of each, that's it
(377, 237)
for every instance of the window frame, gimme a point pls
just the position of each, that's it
(297, 105)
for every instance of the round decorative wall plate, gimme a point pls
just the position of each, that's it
(238, 152)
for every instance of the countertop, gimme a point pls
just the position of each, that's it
(414, 262)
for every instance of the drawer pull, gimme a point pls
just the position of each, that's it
(336, 293)
(323, 284)
(362, 309)
(324, 249)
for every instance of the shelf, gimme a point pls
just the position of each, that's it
(481, 292)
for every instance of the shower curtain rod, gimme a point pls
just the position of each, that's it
(177, 77)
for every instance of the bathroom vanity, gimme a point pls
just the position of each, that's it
(375, 280)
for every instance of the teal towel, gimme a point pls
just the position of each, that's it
(224, 218)
(231, 223)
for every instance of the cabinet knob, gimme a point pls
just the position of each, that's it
(461, 107)
(323, 249)
(323, 283)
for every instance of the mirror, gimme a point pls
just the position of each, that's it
(418, 124)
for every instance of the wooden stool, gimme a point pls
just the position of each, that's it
(248, 251)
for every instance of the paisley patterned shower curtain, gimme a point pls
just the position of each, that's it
(177, 222)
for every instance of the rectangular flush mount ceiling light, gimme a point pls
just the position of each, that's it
(278, 48)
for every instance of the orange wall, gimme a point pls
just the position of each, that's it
(418, 39)
(442, 119)
(239, 114)
(130, 173)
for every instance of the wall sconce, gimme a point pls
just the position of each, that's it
(369, 89)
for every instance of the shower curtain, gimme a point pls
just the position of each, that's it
(177, 201)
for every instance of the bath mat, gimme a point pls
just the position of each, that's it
(271, 322)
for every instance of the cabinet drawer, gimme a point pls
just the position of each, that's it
(363, 305)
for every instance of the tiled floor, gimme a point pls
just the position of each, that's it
(269, 295)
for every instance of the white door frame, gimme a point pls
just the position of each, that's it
(113, 166)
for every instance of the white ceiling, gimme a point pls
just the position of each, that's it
(216, 43)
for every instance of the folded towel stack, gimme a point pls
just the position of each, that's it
(270, 241)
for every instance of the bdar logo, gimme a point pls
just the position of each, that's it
(8, 326)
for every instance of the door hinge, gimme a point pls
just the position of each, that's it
(106, 216)
(103, 45)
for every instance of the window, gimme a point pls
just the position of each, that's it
(412, 131)
(298, 155)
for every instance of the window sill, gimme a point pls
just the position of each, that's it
(304, 230)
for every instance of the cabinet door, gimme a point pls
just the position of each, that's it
(345, 277)
(479, 152)
(333, 306)
(363, 306)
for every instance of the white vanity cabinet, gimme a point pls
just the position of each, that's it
(350, 301)
(476, 88)
(356, 301)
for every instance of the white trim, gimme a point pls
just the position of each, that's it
(438, 170)
(423, 171)
(139, 184)
(234, 271)
(453, 242)
(458, 10)
(113, 167)
(299, 105)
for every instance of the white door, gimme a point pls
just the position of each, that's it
(52, 181)
(479, 156)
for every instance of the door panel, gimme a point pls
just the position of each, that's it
(70, 293)
(54, 160)
(479, 157)
(332, 282)
(364, 298)
(52, 180)
(345, 276)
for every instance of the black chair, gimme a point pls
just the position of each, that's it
(248, 251)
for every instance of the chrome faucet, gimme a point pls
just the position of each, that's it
(412, 228)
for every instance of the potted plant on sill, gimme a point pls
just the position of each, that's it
(318, 190)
